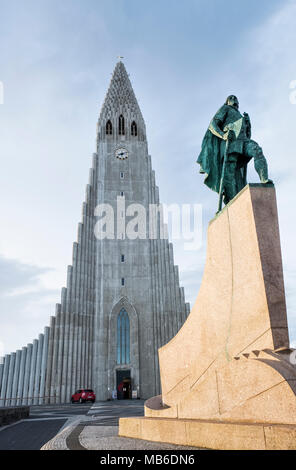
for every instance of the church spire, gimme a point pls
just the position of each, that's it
(120, 114)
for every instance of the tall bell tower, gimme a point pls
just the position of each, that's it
(138, 277)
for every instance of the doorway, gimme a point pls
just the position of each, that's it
(124, 384)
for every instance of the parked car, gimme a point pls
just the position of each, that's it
(83, 395)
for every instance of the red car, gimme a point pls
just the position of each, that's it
(83, 395)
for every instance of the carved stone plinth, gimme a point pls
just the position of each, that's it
(227, 377)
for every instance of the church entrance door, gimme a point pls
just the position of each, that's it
(123, 384)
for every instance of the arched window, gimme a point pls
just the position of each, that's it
(109, 127)
(134, 130)
(121, 125)
(123, 337)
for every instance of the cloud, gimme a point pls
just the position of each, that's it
(24, 303)
(14, 275)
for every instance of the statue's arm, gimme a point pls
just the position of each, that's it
(217, 123)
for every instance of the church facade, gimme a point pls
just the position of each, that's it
(123, 299)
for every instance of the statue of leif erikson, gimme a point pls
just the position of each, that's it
(227, 148)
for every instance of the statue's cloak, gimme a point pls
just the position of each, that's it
(211, 160)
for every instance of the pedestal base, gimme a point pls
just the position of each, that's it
(228, 379)
(211, 434)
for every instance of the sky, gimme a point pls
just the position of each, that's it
(184, 59)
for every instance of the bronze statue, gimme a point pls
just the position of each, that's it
(227, 148)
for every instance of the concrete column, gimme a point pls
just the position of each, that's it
(161, 292)
(79, 344)
(82, 366)
(65, 358)
(166, 295)
(90, 352)
(169, 293)
(1, 370)
(20, 386)
(59, 372)
(63, 299)
(55, 355)
(93, 254)
(157, 330)
(86, 351)
(69, 391)
(79, 286)
(84, 259)
(88, 281)
(86, 326)
(49, 360)
(69, 289)
(4, 379)
(153, 282)
(74, 357)
(88, 249)
(10, 379)
(32, 372)
(178, 297)
(36, 392)
(75, 279)
(16, 377)
(83, 351)
(27, 373)
(173, 291)
(183, 305)
(44, 359)
(187, 306)
(87, 257)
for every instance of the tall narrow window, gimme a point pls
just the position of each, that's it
(121, 125)
(134, 130)
(122, 258)
(123, 337)
(122, 281)
(109, 127)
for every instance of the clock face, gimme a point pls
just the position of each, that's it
(121, 153)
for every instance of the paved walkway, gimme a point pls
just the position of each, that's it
(98, 430)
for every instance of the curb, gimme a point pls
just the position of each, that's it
(58, 442)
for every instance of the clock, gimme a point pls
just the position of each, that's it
(121, 153)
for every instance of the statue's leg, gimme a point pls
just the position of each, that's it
(230, 186)
(253, 150)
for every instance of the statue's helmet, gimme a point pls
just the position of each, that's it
(232, 101)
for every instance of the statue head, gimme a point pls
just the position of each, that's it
(232, 101)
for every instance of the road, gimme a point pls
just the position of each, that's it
(46, 421)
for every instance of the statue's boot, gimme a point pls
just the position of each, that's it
(261, 167)
(253, 150)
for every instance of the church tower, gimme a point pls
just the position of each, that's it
(123, 300)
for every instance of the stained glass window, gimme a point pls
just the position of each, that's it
(123, 337)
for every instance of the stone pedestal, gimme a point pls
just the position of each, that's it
(227, 379)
